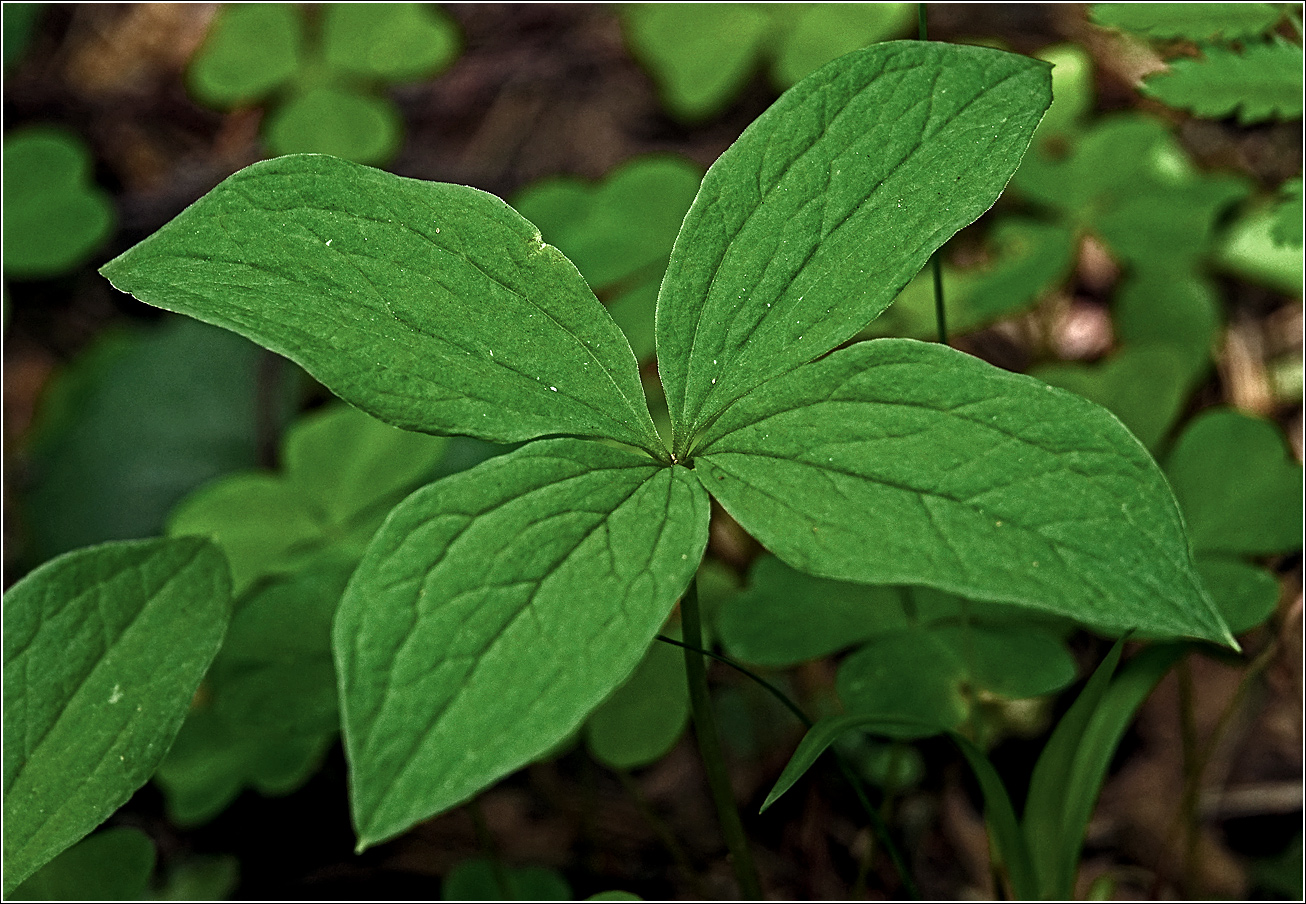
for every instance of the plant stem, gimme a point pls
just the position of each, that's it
(877, 821)
(940, 314)
(709, 747)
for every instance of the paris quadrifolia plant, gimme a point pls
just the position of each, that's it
(497, 607)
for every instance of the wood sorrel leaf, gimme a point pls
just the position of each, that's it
(809, 225)
(433, 307)
(495, 609)
(900, 462)
(103, 650)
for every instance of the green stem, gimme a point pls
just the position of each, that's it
(940, 315)
(877, 821)
(709, 746)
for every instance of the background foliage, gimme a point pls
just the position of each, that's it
(1147, 255)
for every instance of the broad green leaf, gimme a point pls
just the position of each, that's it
(113, 865)
(336, 121)
(1238, 484)
(55, 216)
(932, 673)
(1144, 385)
(343, 472)
(700, 53)
(482, 879)
(618, 233)
(494, 610)
(143, 419)
(644, 717)
(103, 650)
(1246, 595)
(821, 32)
(807, 227)
(251, 49)
(433, 307)
(1193, 21)
(1262, 82)
(900, 462)
(393, 41)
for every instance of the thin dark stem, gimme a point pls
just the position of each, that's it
(940, 313)
(877, 821)
(709, 746)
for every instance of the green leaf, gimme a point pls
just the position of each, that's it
(136, 424)
(1069, 774)
(900, 462)
(1238, 484)
(433, 307)
(251, 49)
(1287, 228)
(103, 650)
(1011, 850)
(1245, 594)
(644, 717)
(1144, 385)
(336, 121)
(392, 41)
(618, 232)
(495, 610)
(482, 879)
(55, 216)
(343, 472)
(786, 617)
(20, 21)
(113, 865)
(822, 32)
(1180, 310)
(1072, 92)
(931, 673)
(1249, 249)
(820, 736)
(807, 227)
(700, 53)
(1193, 21)
(201, 878)
(1262, 82)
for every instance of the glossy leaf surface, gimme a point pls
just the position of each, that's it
(495, 609)
(900, 462)
(103, 650)
(807, 227)
(433, 307)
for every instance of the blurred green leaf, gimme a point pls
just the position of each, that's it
(55, 216)
(337, 121)
(1281, 875)
(112, 865)
(1262, 82)
(103, 650)
(133, 426)
(1143, 385)
(1072, 92)
(1175, 309)
(1246, 595)
(19, 25)
(483, 880)
(1238, 484)
(1193, 21)
(701, 54)
(1287, 228)
(817, 33)
(618, 233)
(251, 49)
(931, 674)
(200, 878)
(398, 42)
(646, 715)
(343, 472)
(1249, 249)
